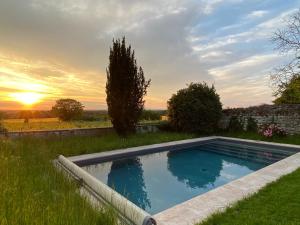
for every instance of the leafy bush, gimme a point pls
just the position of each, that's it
(235, 124)
(196, 108)
(271, 130)
(290, 93)
(165, 126)
(151, 115)
(251, 124)
(67, 109)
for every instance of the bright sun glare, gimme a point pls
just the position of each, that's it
(27, 98)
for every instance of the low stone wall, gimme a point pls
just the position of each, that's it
(286, 116)
(78, 132)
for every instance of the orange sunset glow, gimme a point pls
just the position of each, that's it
(27, 98)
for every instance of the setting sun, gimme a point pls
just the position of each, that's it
(27, 98)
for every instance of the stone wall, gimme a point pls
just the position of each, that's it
(145, 128)
(286, 116)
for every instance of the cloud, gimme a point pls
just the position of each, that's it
(257, 14)
(258, 62)
(245, 82)
(210, 5)
(215, 54)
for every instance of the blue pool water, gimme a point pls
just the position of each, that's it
(161, 180)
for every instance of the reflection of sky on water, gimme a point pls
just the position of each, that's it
(159, 181)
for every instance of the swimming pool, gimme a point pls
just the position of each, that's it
(167, 181)
(161, 180)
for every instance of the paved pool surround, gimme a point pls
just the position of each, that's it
(191, 211)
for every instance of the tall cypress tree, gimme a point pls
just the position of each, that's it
(125, 88)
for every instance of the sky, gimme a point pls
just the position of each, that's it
(59, 48)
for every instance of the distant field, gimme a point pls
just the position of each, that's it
(53, 124)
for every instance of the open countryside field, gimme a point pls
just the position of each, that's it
(55, 124)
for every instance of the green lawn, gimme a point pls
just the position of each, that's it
(276, 204)
(32, 192)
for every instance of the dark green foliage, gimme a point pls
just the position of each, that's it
(125, 88)
(251, 125)
(290, 93)
(67, 109)
(196, 108)
(165, 126)
(151, 115)
(235, 124)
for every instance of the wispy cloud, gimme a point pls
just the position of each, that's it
(245, 82)
(257, 14)
(244, 67)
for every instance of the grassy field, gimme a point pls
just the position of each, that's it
(32, 192)
(276, 204)
(53, 124)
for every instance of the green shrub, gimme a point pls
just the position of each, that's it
(196, 108)
(251, 125)
(165, 126)
(151, 115)
(235, 124)
(67, 109)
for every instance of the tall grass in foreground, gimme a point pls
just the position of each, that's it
(33, 192)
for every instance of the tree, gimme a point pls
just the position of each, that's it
(291, 93)
(26, 115)
(125, 88)
(287, 41)
(196, 108)
(67, 109)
